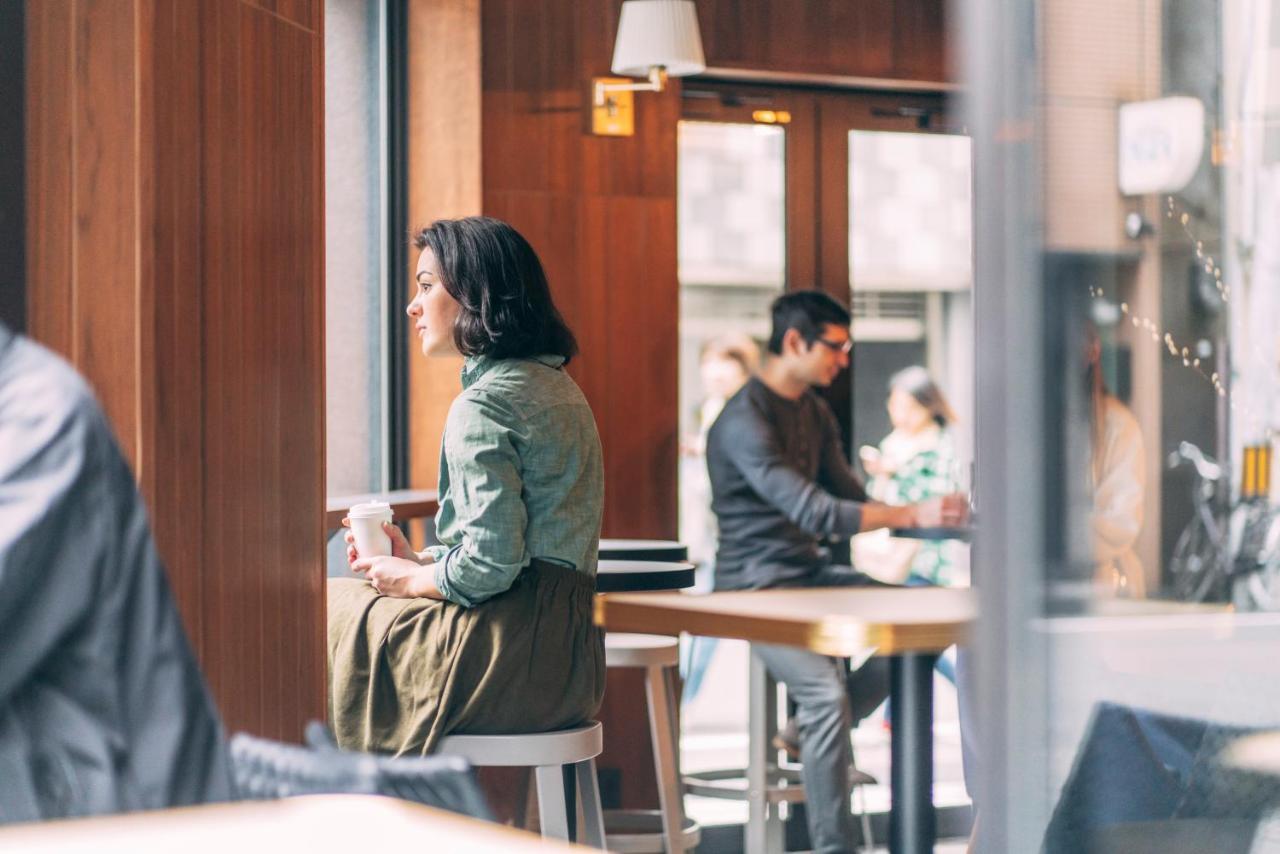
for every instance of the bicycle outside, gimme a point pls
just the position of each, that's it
(1227, 552)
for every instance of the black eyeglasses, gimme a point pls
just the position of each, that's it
(845, 346)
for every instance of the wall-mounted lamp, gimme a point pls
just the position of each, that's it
(657, 39)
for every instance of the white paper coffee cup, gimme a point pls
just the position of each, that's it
(366, 526)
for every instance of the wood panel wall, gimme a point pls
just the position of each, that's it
(895, 39)
(601, 214)
(175, 243)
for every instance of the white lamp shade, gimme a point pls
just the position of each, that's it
(658, 32)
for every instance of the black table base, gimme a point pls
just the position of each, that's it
(912, 822)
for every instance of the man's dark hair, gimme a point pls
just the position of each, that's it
(497, 279)
(806, 312)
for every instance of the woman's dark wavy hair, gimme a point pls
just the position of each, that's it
(497, 279)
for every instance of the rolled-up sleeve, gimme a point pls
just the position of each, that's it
(487, 501)
(756, 452)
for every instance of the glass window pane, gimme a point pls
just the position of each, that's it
(911, 272)
(1129, 530)
(354, 276)
(732, 205)
(732, 261)
(910, 226)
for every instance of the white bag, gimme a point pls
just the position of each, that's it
(884, 557)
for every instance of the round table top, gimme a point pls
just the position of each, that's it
(668, 550)
(619, 576)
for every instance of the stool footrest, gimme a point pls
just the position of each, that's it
(640, 832)
(730, 784)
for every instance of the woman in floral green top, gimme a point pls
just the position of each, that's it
(916, 461)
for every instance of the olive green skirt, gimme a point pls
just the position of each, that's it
(404, 673)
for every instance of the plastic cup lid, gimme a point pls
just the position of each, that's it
(370, 508)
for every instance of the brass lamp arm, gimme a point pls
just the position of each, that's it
(656, 83)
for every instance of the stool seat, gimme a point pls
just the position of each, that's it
(564, 771)
(623, 649)
(561, 747)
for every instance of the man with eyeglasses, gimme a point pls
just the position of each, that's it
(781, 488)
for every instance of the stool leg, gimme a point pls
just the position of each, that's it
(592, 832)
(571, 799)
(868, 841)
(665, 739)
(553, 808)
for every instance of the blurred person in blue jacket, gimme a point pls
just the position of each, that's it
(102, 706)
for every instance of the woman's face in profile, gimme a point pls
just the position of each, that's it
(906, 413)
(433, 309)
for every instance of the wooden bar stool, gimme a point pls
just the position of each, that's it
(643, 830)
(564, 762)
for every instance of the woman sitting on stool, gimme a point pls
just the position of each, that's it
(492, 631)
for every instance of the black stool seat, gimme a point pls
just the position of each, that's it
(668, 550)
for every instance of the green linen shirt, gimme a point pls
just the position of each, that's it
(521, 477)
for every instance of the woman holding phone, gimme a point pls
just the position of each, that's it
(491, 631)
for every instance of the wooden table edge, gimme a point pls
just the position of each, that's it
(836, 636)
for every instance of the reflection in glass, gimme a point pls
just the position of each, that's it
(1104, 722)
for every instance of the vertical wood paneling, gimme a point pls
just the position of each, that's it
(920, 43)
(104, 315)
(303, 13)
(50, 72)
(264, 251)
(176, 198)
(601, 213)
(171, 295)
(900, 39)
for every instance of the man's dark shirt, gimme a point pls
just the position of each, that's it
(779, 485)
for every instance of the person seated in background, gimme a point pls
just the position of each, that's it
(914, 462)
(781, 485)
(490, 632)
(102, 706)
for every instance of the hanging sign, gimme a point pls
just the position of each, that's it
(1161, 143)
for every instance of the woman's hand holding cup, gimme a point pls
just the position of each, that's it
(399, 544)
(396, 569)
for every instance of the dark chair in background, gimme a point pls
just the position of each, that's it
(1148, 782)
